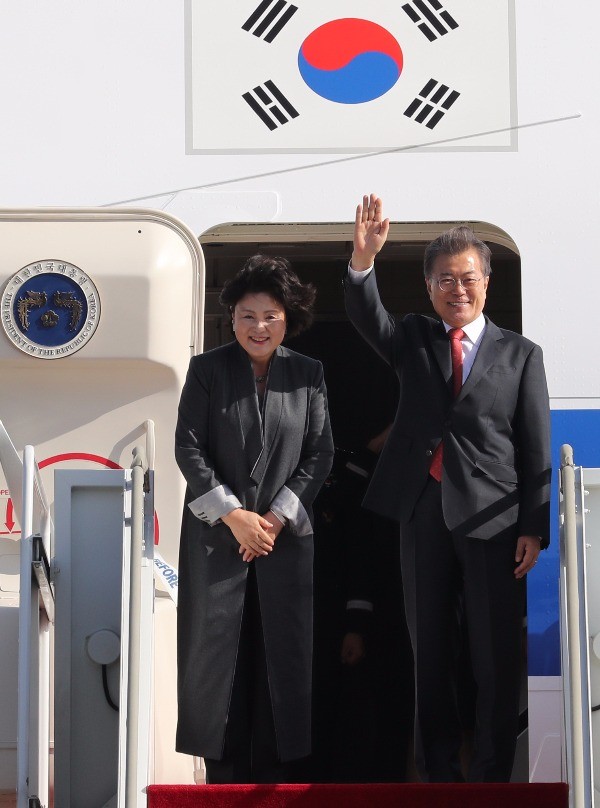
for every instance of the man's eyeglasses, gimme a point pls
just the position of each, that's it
(448, 284)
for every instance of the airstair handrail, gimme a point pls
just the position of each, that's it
(34, 672)
(575, 644)
(35, 520)
(150, 444)
(24, 629)
(139, 467)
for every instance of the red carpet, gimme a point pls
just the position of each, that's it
(405, 795)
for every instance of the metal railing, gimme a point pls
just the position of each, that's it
(139, 468)
(574, 642)
(33, 732)
(36, 612)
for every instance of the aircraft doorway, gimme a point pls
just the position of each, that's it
(363, 709)
(319, 253)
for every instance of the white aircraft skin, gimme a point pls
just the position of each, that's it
(97, 113)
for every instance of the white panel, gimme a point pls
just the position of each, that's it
(146, 266)
(89, 544)
(546, 728)
(591, 483)
(223, 206)
(168, 769)
(9, 630)
(9, 571)
(87, 410)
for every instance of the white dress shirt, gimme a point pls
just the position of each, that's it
(470, 342)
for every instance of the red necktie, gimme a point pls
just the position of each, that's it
(455, 335)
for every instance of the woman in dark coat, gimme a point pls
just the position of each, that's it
(254, 444)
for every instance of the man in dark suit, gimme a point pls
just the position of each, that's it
(466, 473)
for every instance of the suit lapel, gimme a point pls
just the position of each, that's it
(257, 433)
(271, 413)
(486, 356)
(242, 382)
(441, 350)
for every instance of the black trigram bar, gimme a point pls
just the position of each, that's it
(271, 15)
(432, 103)
(430, 17)
(270, 104)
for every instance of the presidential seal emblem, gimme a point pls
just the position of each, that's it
(50, 309)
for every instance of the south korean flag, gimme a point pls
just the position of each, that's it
(308, 75)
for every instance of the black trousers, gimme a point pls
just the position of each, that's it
(250, 749)
(448, 580)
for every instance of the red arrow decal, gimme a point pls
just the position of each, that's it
(10, 522)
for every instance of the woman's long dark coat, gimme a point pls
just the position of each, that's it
(229, 455)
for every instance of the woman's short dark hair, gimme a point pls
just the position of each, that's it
(455, 241)
(273, 276)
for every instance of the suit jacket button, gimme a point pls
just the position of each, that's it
(428, 453)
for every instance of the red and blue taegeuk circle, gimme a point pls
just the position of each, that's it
(350, 61)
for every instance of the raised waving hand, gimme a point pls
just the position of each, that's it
(370, 232)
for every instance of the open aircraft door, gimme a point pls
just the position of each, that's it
(100, 311)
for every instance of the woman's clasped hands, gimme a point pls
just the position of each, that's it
(254, 533)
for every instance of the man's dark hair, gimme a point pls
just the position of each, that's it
(453, 242)
(273, 276)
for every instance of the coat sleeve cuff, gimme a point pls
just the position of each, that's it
(288, 505)
(280, 516)
(217, 502)
(358, 278)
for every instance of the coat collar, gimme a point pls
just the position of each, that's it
(258, 431)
